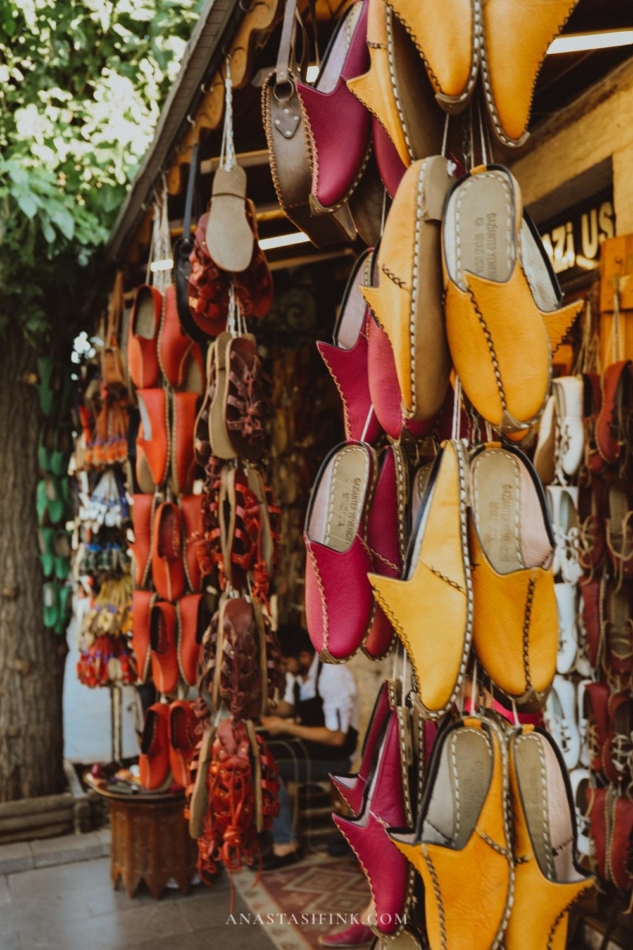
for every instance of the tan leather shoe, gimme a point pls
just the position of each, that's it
(502, 300)
(461, 847)
(449, 42)
(516, 38)
(515, 629)
(395, 89)
(407, 301)
(431, 608)
(548, 879)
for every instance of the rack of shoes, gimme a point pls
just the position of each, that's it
(454, 556)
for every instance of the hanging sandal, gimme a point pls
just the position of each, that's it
(407, 303)
(334, 116)
(464, 827)
(547, 874)
(338, 614)
(386, 539)
(244, 408)
(511, 548)
(385, 867)
(502, 301)
(515, 43)
(346, 357)
(450, 46)
(436, 586)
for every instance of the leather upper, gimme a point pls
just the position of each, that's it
(348, 369)
(516, 40)
(168, 570)
(467, 891)
(385, 537)
(163, 636)
(141, 603)
(142, 517)
(375, 88)
(353, 790)
(437, 589)
(386, 869)
(528, 930)
(142, 344)
(407, 303)
(191, 507)
(448, 45)
(501, 340)
(176, 351)
(335, 117)
(190, 622)
(153, 436)
(515, 628)
(339, 600)
(154, 758)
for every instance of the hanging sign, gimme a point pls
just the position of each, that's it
(573, 239)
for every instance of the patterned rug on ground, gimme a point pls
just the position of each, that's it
(314, 892)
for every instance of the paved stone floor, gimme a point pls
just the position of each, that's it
(73, 907)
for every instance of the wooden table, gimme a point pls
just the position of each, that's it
(150, 842)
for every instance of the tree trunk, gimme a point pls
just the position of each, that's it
(31, 657)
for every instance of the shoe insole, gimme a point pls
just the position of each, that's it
(338, 506)
(363, 819)
(479, 229)
(229, 236)
(546, 806)
(537, 272)
(335, 56)
(507, 512)
(352, 316)
(145, 421)
(418, 486)
(460, 788)
(144, 316)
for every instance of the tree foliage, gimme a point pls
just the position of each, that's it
(81, 86)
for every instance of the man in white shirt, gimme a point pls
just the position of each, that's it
(313, 732)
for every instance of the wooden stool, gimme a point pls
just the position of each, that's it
(151, 843)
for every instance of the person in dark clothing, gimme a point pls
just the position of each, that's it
(314, 730)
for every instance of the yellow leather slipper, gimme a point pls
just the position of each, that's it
(396, 89)
(502, 300)
(431, 608)
(407, 301)
(461, 848)
(515, 628)
(516, 38)
(449, 42)
(548, 879)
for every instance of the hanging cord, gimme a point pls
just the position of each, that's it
(482, 134)
(445, 136)
(405, 671)
(474, 689)
(457, 401)
(227, 149)
(160, 247)
(383, 216)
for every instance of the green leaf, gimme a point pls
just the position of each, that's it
(47, 228)
(17, 174)
(63, 219)
(27, 204)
